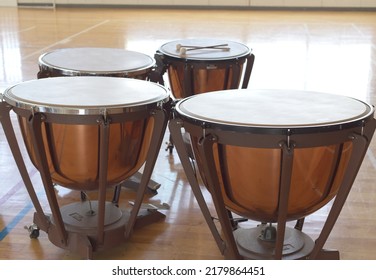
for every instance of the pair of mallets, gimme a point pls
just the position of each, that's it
(182, 49)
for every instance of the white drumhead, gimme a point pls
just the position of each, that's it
(96, 60)
(273, 108)
(84, 95)
(236, 50)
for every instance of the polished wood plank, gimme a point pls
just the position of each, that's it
(333, 52)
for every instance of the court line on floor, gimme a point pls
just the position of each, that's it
(19, 31)
(22, 213)
(15, 188)
(64, 40)
(15, 221)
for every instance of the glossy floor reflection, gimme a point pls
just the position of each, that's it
(332, 52)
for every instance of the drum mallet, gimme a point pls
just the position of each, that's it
(183, 49)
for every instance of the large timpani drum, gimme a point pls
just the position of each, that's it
(200, 65)
(95, 62)
(92, 133)
(273, 156)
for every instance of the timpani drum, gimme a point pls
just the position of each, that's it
(201, 65)
(92, 133)
(110, 62)
(273, 157)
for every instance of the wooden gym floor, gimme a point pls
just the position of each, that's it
(325, 51)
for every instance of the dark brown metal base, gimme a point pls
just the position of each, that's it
(296, 245)
(80, 221)
(146, 217)
(134, 181)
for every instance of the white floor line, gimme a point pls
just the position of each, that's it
(39, 52)
(19, 31)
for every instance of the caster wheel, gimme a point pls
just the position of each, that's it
(34, 234)
(33, 231)
(170, 147)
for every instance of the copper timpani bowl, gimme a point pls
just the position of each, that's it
(71, 109)
(246, 156)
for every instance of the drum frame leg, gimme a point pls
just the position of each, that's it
(6, 122)
(286, 173)
(104, 136)
(175, 126)
(161, 119)
(205, 148)
(156, 75)
(248, 70)
(35, 122)
(360, 146)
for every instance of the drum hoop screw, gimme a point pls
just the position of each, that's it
(213, 137)
(33, 111)
(288, 145)
(105, 118)
(105, 115)
(203, 125)
(288, 139)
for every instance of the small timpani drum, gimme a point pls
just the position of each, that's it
(92, 133)
(272, 157)
(95, 62)
(201, 65)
